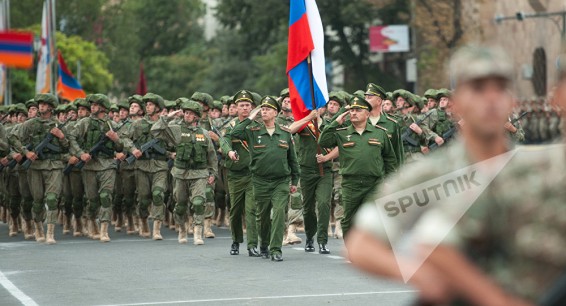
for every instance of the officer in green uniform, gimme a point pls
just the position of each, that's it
(151, 166)
(45, 173)
(366, 156)
(374, 95)
(195, 166)
(237, 155)
(99, 172)
(273, 163)
(221, 187)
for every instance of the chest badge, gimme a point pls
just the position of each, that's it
(258, 139)
(348, 137)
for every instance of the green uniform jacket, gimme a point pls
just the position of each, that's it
(33, 132)
(272, 157)
(85, 134)
(172, 135)
(393, 130)
(137, 134)
(369, 154)
(242, 166)
(307, 150)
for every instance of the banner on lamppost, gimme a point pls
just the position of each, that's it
(389, 38)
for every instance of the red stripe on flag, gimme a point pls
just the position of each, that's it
(17, 37)
(300, 42)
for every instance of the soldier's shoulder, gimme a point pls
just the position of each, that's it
(390, 118)
(381, 127)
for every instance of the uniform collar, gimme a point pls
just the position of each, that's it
(263, 129)
(352, 129)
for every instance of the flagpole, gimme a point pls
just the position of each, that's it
(8, 83)
(315, 121)
(53, 27)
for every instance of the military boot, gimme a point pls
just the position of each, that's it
(157, 230)
(172, 225)
(198, 235)
(50, 234)
(338, 230)
(144, 228)
(60, 217)
(94, 228)
(39, 234)
(208, 229)
(67, 224)
(3, 214)
(190, 227)
(14, 228)
(119, 222)
(130, 230)
(104, 232)
(86, 231)
(78, 228)
(227, 219)
(28, 233)
(182, 234)
(291, 236)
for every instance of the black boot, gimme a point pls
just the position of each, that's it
(322, 249)
(309, 247)
(235, 249)
(252, 252)
(264, 253)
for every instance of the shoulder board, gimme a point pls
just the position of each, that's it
(342, 128)
(284, 128)
(391, 119)
(255, 128)
(380, 127)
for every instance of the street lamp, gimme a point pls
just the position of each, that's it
(520, 16)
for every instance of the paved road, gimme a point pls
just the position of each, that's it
(135, 271)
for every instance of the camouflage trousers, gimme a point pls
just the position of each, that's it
(25, 192)
(125, 195)
(209, 206)
(190, 196)
(15, 198)
(78, 192)
(66, 203)
(151, 188)
(337, 196)
(99, 189)
(45, 187)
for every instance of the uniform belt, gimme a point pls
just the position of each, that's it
(187, 166)
(154, 156)
(49, 156)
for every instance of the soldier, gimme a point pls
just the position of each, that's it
(221, 187)
(99, 172)
(243, 206)
(195, 166)
(273, 164)
(151, 166)
(387, 105)
(359, 175)
(44, 175)
(207, 103)
(118, 208)
(232, 108)
(67, 194)
(75, 178)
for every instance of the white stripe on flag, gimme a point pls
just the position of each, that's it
(317, 55)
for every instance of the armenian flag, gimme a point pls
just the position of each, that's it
(67, 86)
(16, 49)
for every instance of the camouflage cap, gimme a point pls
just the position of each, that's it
(71, 107)
(337, 97)
(203, 98)
(3, 109)
(180, 101)
(99, 99)
(284, 93)
(217, 105)
(136, 99)
(358, 102)
(257, 98)
(113, 107)
(225, 99)
(405, 95)
(155, 99)
(48, 98)
(359, 93)
(443, 92)
(243, 96)
(31, 102)
(20, 108)
(80, 102)
(123, 104)
(389, 96)
(270, 102)
(170, 105)
(347, 96)
(192, 106)
(431, 94)
(60, 109)
(375, 90)
(474, 62)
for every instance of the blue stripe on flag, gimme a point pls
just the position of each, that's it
(69, 80)
(300, 76)
(16, 48)
(298, 9)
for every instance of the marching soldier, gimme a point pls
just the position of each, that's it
(151, 166)
(360, 176)
(118, 202)
(273, 166)
(195, 166)
(243, 205)
(99, 172)
(44, 175)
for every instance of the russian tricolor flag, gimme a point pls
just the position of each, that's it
(306, 37)
(16, 49)
(67, 86)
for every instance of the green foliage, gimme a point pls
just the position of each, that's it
(23, 86)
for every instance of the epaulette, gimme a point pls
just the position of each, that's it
(255, 128)
(380, 127)
(342, 128)
(284, 128)
(391, 119)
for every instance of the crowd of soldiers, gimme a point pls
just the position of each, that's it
(541, 122)
(193, 163)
